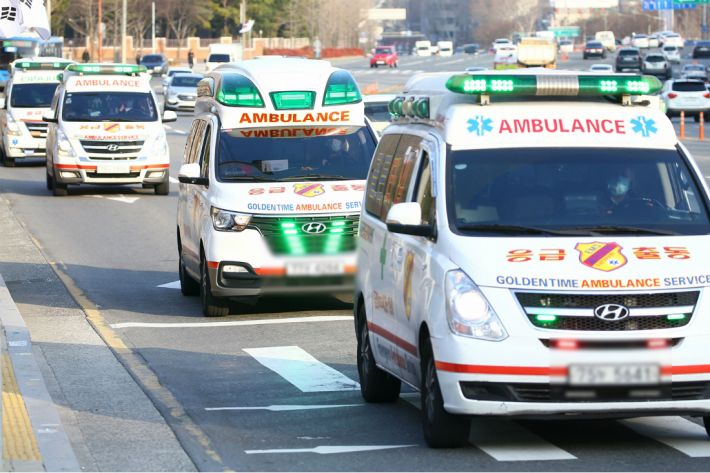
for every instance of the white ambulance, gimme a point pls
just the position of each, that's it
(105, 128)
(28, 95)
(534, 243)
(272, 182)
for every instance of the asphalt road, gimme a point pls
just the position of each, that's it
(118, 246)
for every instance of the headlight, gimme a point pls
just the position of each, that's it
(227, 221)
(13, 128)
(64, 144)
(160, 146)
(467, 310)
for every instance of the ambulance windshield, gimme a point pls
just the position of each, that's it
(32, 95)
(574, 192)
(109, 106)
(286, 154)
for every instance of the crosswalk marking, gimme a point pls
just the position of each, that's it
(330, 449)
(299, 368)
(283, 407)
(236, 323)
(676, 432)
(505, 440)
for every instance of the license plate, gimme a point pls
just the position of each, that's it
(380, 62)
(315, 269)
(626, 374)
(113, 169)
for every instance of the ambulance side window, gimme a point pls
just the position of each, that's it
(55, 100)
(400, 174)
(379, 171)
(194, 141)
(422, 192)
(205, 153)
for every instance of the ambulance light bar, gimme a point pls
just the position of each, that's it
(238, 91)
(341, 89)
(128, 69)
(46, 66)
(413, 107)
(549, 85)
(293, 100)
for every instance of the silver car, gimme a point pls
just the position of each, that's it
(683, 95)
(694, 71)
(181, 92)
(672, 54)
(657, 65)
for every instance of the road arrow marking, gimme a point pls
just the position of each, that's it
(299, 368)
(283, 408)
(329, 450)
(676, 432)
(171, 285)
(236, 323)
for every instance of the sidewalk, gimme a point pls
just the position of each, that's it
(68, 403)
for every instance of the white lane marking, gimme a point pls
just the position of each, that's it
(236, 323)
(171, 285)
(676, 432)
(299, 368)
(328, 450)
(506, 440)
(283, 408)
(119, 198)
(173, 180)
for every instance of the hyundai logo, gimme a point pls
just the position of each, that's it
(112, 147)
(611, 312)
(313, 228)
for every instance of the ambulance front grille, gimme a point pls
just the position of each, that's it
(109, 150)
(37, 129)
(648, 311)
(290, 235)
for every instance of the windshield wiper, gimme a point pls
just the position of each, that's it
(501, 228)
(623, 229)
(248, 178)
(317, 177)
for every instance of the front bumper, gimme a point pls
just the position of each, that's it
(90, 174)
(24, 147)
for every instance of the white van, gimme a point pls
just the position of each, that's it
(607, 39)
(222, 54)
(446, 48)
(529, 248)
(422, 48)
(272, 182)
(28, 95)
(105, 128)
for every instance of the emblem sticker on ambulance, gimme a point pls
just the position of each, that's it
(602, 256)
(309, 189)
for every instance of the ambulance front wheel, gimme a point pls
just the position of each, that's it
(441, 429)
(211, 305)
(163, 188)
(375, 384)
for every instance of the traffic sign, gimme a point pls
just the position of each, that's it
(565, 31)
(654, 5)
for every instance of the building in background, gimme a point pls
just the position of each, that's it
(441, 20)
(570, 12)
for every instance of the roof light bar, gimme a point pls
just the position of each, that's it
(549, 85)
(238, 91)
(341, 89)
(126, 69)
(413, 107)
(46, 66)
(293, 100)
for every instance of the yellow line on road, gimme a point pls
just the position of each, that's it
(19, 441)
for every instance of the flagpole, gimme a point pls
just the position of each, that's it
(101, 36)
(123, 32)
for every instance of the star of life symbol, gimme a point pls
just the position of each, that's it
(479, 125)
(645, 126)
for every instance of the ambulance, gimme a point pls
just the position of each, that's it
(272, 182)
(28, 95)
(533, 244)
(105, 128)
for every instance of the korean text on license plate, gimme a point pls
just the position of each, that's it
(617, 374)
(314, 269)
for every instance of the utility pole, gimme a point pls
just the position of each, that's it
(101, 35)
(124, 19)
(152, 30)
(705, 21)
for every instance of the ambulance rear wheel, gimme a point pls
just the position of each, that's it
(441, 429)
(375, 385)
(211, 306)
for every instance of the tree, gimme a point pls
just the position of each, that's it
(183, 17)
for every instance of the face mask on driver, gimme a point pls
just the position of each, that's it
(619, 186)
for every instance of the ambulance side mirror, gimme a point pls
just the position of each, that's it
(190, 173)
(49, 117)
(406, 218)
(169, 116)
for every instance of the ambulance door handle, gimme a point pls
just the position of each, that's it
(399, 255)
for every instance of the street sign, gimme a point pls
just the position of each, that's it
(654, 5)
(565, 31)
(693, 2)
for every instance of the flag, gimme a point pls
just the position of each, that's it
(21, 16)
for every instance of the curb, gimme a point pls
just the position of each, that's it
(39, 424)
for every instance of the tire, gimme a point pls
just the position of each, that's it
(211, 306)
(396, 64)
(163, 188)
(706, 423)
(8, 162)
(375, 385)
(441, 429)
(59, 189)
(49, 180)
(188, 286)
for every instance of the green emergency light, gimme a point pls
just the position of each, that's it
(341, 89)
(293, 100)
(107, 69)
(44, 66)
(239, 91)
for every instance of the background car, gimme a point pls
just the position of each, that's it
(653, 41)
(171, 72)
(669, 38)
(181, 92)
(601, 68)
(384, 56)
(694, 71)
(628, 58)
(701, 50)
(376, 110)
(594, 49)
(640, 41)
(566, 46)
(471, 48)
(500, 42)
(685, 95)
(671, 53)
(657, 65)
(156, 63)
(506, 57)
